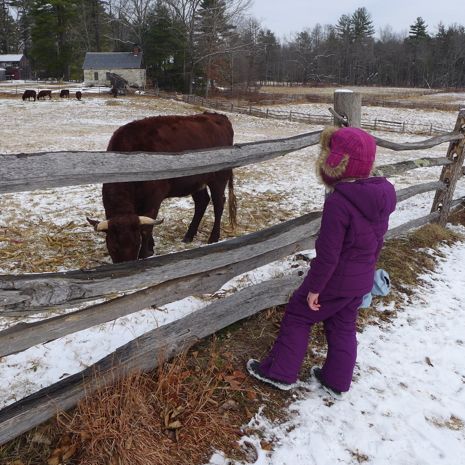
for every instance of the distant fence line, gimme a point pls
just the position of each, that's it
(378, 124)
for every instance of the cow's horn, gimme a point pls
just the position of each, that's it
(150, 221)
(102, 226)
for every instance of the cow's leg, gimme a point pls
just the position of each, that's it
(218, 199)
(201, 200)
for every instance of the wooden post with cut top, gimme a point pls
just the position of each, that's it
(348, 104)
(451, 173)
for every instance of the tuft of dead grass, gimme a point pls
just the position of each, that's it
(178, 415)
(407, 257)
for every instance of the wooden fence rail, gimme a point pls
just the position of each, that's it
(25, 172)
(375, 125)
(165, 279)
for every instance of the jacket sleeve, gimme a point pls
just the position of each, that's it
(328, 246)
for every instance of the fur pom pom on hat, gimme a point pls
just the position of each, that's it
(346, 153)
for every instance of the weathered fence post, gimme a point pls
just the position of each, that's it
(450, 173)
(349, 105)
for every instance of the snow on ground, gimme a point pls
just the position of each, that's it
(439, 119)
(289, 182)
(406, 405)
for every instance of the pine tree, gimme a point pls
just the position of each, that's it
(344, 28)
(8, 30)
(362, 25)
(418, 30)
(164, 49)
(269, 45)
(212, 32)
(51, 50)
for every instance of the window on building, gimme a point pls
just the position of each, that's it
(95, 75)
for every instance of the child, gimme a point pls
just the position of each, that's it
(355, 219)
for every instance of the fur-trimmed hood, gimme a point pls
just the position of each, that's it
(346, 153)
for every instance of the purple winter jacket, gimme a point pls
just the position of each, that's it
(355, 219)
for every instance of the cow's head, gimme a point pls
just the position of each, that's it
(129, 237)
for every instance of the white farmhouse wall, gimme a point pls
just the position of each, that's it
(133, 76)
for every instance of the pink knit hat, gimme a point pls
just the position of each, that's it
(346, 153)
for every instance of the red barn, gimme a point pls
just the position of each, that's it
(16, 66)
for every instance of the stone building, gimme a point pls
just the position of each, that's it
(98, 66)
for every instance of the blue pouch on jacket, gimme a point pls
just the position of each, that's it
(381, 286)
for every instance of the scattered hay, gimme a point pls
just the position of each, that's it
(39, 246)
(113, 103)
(179, 415)
(453, 423)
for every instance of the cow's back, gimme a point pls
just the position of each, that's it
(173, 134)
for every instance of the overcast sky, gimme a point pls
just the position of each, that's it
(285, 17)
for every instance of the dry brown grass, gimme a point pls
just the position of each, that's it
(407, 257)
(39, 246)
(177, 415)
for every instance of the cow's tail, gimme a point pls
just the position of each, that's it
(232, 203)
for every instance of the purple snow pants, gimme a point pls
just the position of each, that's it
(339, 315)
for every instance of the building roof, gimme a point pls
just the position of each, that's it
(112, 60)
(10, 58)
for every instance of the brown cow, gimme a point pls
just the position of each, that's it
(79, 95)
(64, 93)
(28, 94)
(131, 208)
(44, 93)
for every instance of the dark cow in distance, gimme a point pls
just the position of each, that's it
(64, 93)
(44, 93)
(131, 208)
(79, 95)
(28, 94)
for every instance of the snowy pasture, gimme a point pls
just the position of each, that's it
(267, 193)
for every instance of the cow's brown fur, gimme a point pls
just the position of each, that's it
(125, 202)
(64, 93)
(44, 93)
(28, 94)
(79, 95)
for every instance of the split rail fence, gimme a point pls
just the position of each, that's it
(292, 115)
(168, 278)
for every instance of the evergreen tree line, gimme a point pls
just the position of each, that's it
(188, 44)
